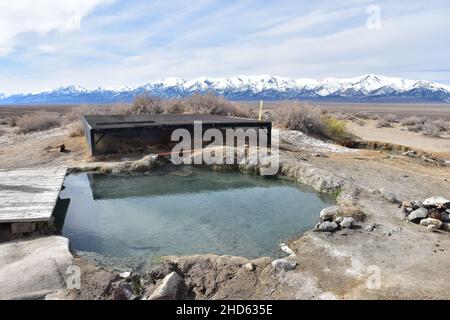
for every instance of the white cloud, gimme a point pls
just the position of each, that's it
(40, 16)
(45, 48)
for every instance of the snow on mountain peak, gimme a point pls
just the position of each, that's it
(368, 86)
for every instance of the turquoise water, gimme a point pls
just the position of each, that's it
(184, 211)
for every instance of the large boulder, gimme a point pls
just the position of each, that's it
(171, 288)
(418, 215)
(31, 269)
(328, 214)
(328, 226)
(436, 202)
(284, 264)
(347, 222)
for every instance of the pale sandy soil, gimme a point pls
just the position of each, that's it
(399, 135)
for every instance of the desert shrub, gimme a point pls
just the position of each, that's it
(145, 104)
(343, 116)
(2, 132)
(334, 128)
(429, 127)
(383, 123)
(441, 124)
(243, 111)
(391, 118)
(367, 115)
(12, 122)
(76, 129)
(307, 119)
(210, 103)
(177, 106)
(412, 121)
(360, 122)
(433, 128)
(38, 121)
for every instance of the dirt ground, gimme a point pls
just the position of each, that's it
(411, 261)
(397, 134)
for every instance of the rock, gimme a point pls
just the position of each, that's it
(170, 288)
(418, 215)
(248, 266)
(410, 153)
(445, 226)
(123, 292)
(371, 227)
(31, 269)
(446, 216)
(286, 249)
(430, 221)
(338, 220)
(432, 227)
(347, 222)
(284, 264)
(328, 226)
(436, 202)
(352, 211)
(435, 214)
(328, 214)
(416, 204)
(321, 180)
(407, 204)
(389, 196)
(125, 274)
(404, 212)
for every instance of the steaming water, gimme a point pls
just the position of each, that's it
(184, 211)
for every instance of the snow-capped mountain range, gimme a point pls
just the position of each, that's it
(366, 88)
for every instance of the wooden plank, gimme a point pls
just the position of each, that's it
(30, 194)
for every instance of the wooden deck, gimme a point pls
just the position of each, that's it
(28, 195)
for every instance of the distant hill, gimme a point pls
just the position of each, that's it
(366, 88)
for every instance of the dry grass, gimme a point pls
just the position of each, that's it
(146, 104)
(311, 120)
(412, 121)
(38, 121)
(367, 115)
(428, 127)
(434, 128)
(307, 119)
(9, 121)
(76, 129)
(383, 123)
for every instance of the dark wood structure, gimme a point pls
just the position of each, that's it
(158, 128)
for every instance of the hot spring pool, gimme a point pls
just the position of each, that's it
(179, 211)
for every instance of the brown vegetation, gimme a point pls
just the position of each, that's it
(76, 129)
(38, 121)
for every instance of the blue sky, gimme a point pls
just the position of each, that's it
(51, 43)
